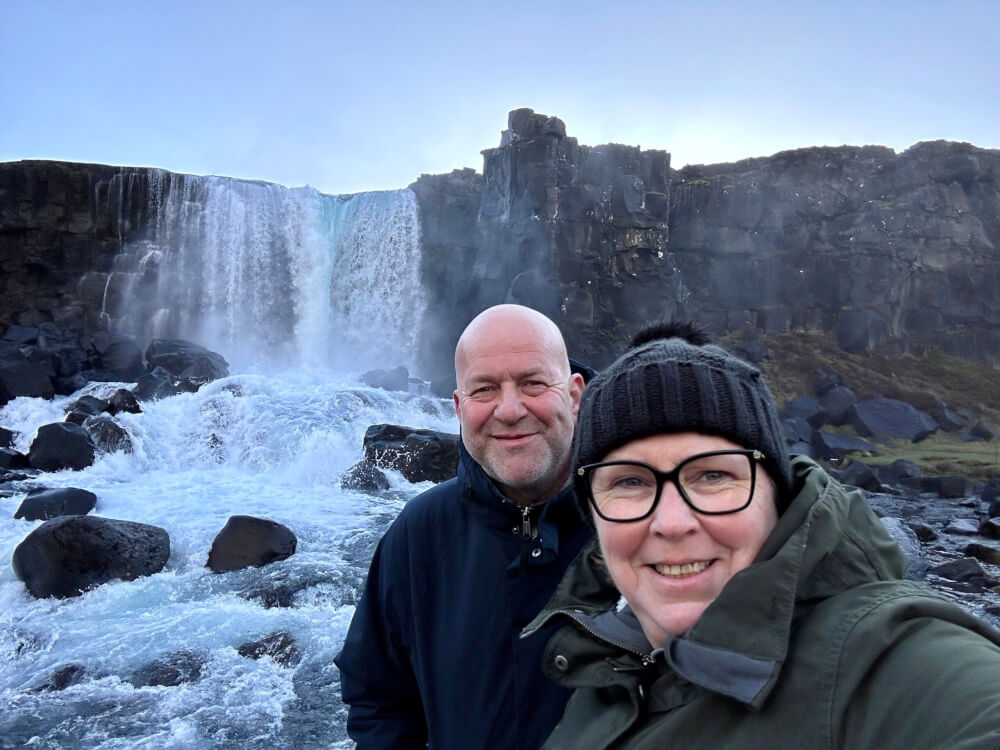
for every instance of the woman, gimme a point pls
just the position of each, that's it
(737, 597)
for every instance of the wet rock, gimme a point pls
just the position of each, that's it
(964, 526)
(966, 569)
(43, 504)
(924, 532)
(248, 541)
(61, 679)
(156, 384)
(121, 356)
(278, 646)
(396, 379)
(985, 553)
(991, 491)
(419, 455)
(171, 670)
(11, 459)
(123, 401)
(108, 435)
(6, 438)
(994, 510)
(61, 445)
(944, 485)
(186, 360)
(21, 377)
(83, 407)
(68, 555)
(887, 416)
(990, 528)
(916, 563)
(364, 476)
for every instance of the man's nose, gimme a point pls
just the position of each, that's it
(510, 406)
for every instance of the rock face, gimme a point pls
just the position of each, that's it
(43, 504)
(61, 445)
(246, 541)
(68, 555)
(890, 252)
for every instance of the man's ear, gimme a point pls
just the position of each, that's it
(458, 406)
(576, 385)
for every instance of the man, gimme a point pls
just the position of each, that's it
(433, 656)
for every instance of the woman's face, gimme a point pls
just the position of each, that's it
(671, 565)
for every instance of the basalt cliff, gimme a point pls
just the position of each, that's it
(890, 253)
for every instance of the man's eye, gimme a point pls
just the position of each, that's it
(534, 386)
(483, 390)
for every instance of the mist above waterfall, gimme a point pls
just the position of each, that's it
(273, 277)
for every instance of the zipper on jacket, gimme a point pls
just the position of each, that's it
(579, 618)
(529, 532)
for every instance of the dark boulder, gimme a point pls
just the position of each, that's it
(962, 527)
(966, 570)
(6, 438)
(364, 476)
(397, 379)
(43, 504)
(11, 459)
(61, 679)
(247, 541)
(990, 528)
(121, 357)
(836, 404)
(67, 355)
(108, 435)
(21, 377)
(170, 671)
(887, 416)
(68, 555)
(991, 491)
(278, 646)
(898, 470)
(186, 360)
(61, 445)
(984, 431)
(803, 407)
(994, 509)
(21, 335)
(156, 384)
(419, 455)
(983, 552)
(826, 445)
(123, 401)
(859, 474)
(944, 485)
(85, 406)
(797, 434)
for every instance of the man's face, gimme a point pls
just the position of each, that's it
(517, 403)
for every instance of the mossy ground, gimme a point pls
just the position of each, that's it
(796, 359)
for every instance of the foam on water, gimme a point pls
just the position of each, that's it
(267, 446)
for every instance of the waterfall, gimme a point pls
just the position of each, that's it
(271, 276)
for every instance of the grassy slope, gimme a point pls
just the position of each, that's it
(972, 387)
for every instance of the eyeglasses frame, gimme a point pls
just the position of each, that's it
(662, 477)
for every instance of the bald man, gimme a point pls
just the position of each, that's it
(433, 656)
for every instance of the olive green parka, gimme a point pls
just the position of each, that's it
(818, 644)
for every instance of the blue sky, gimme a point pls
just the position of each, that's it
(351, 96)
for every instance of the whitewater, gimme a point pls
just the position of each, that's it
(267, 441)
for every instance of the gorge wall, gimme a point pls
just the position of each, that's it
(893, 253)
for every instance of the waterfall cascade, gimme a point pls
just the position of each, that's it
(270, 276)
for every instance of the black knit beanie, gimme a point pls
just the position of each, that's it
(673, 380)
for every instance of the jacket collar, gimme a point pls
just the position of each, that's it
(826, 541)
(493, 509)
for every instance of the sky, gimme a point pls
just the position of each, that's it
(369, 95)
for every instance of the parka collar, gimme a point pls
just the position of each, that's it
(828, 540)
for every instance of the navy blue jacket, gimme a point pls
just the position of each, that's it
(433, 656)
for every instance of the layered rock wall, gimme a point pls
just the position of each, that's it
(892, 252)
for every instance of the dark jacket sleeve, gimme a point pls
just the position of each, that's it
(377, 681)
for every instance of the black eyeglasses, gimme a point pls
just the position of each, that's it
(712, 483)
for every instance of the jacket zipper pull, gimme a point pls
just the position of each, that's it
(526, 536)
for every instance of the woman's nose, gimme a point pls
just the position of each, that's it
(672, 517)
